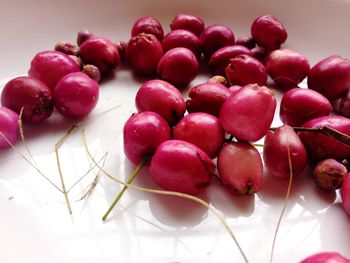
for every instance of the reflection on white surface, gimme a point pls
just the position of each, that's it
(35, 225)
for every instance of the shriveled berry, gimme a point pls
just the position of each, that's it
(329, 174)
(143, 54)
(148, 25)
(67, 47)
(30, 94)
(92, 71)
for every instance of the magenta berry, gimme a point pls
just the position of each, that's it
(244, 121)
(8, 127)
(321, 146)
(344, 105)
(329, 174)
(220, 58)
(215, 37)
(203, 130)
(143, 53)
(30, 94)
(143, 133)
(287, 67)
(121, 46)
(244, 69)
(260, 54)
(76, 95)
(276, 158)
(191, 23)
(207, 97)
(101, 52)
(345, 194)
(182, 38)
(163, 98)
(326, 257)
(182, 167)
(179, 66)
(83, 35)
(240, 168)
(247, 42)
(268, 32)
(330, 77)
(50, 66)
(148, 25)
(301, 105)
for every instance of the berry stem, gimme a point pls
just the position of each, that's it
(325, 130)
(130, 180)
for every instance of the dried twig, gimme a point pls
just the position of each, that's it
(285, 202)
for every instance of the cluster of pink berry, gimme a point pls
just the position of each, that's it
(225, 115)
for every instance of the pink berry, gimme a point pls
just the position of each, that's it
(143, 53)
(50, 66)
(148, 25)
(287, 67)
(163, 98)
(207, 97)
(244, 69)
(30, 94)
(268, 32)
(182, 38)
(191, 23)
(215, 37)
(203, 130)
(8, 127)
(330, 77)
(182, 167)
(276, 158)
(221, 57)
(179, 66)
(240, 168)
(247, 42)
(76, 95)
(345, 194)
(101, 52)
(244, 121)
(143, 133)
(301, 105)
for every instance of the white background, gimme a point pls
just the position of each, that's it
(35, 226)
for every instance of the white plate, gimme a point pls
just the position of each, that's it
(35, 226)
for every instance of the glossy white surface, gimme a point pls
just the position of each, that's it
(35, 226)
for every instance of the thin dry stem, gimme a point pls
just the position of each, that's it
(325, 130)
(285, 202)
(21, 133)
(89, 192)
(57, 146)
(29, 162)
(92, 167)
(169, 193)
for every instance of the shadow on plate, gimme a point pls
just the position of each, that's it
(229, 204)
